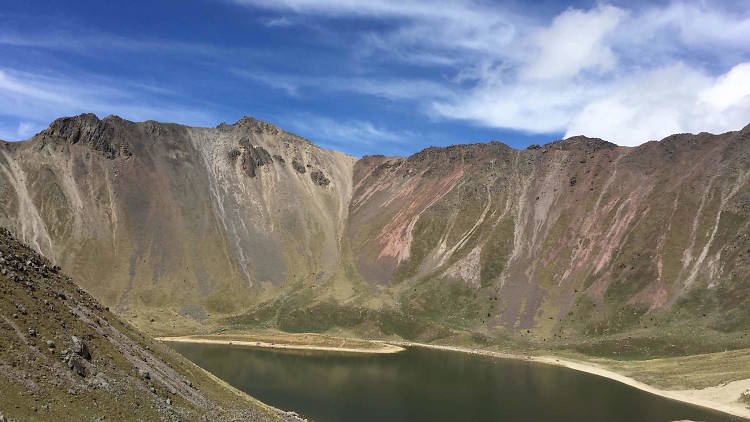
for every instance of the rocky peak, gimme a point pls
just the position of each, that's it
(73, 128)
(257, 126)
(88, 129)
(581, 143)
(451, 155)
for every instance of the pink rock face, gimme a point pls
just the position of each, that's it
(396, 236)
(638, 228)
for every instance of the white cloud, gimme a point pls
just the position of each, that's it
(534, 108)
(670, 100)
(729, 90)
(624, 74)
(575, 41)
(699, 24)
(424, 29)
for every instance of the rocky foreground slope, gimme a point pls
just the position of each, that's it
(576, 243)
(63, 356)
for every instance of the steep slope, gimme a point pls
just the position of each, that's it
(576, 243)
(575, 238)
(179, 220)
(64, 356)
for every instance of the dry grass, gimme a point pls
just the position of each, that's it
(687, 372)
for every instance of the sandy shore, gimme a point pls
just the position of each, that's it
(722, 398)
(381, 347)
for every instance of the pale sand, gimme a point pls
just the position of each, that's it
(722, 398)
(382, 347)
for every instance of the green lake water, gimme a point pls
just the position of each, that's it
(429, 385)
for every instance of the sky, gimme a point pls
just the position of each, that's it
(383, 76)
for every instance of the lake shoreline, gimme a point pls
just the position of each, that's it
(383, 348)
(684, 396)
(709, 398)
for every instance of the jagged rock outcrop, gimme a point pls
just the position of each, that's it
(108, 139)
(253, 157)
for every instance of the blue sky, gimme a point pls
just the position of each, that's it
(383, 76)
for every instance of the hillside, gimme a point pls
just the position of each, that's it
(64, 354)
(576, 244)
(185, 221)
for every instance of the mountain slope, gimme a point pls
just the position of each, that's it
(186, 220)
(577, 243)
(578, 235)
(64, 354)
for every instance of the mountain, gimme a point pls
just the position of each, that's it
(64, 354)
(157, 216)
(577, 243)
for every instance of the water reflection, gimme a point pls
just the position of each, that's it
(429, 385)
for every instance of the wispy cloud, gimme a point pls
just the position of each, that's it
(93, 42)
(355, 136)
(37, 98)
(281, 22)
(625, 74)
(376, 85)
(575, 41)
(26, 129)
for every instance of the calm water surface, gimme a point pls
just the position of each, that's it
(428, 385)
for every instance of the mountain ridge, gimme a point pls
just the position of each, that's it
(576, 239)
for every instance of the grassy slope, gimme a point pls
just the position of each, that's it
(37, 384)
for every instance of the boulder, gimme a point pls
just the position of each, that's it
(319, 178)
(80, 348)
(298, 166)
(75, 363)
